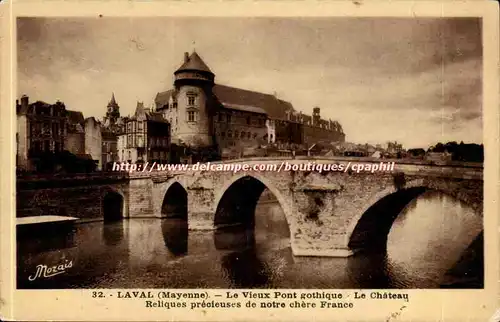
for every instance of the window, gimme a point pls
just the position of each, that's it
(129, 140)
(236, 134)
(175, 105)
(191, 116)
(222, 134)
(129, 127)
(139, 125)
(191, 100)
(229, 134)
(228, 118)
(248, 120)
(220, 117)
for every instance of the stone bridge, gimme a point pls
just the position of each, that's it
(332, 213)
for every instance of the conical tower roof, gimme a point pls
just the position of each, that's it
(194, 62)
(113, 101)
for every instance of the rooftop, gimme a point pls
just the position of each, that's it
(194, 62)
(231, 96)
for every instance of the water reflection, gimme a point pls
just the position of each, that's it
(430, 236)
(378, 274)
(245, 269)
(175, 235)
(242, 264)
(112, 234)
(45, 238)
(234, 238)
(425, 249)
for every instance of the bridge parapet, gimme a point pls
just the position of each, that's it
(469, 171)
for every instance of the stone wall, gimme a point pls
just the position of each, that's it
(324, 209)
(93, 140)
(140, 200)
(75, 143)
(75, 197)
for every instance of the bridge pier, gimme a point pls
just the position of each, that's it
(316, 228)
(200, 208)
(199, 220)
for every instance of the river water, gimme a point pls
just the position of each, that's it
(426, 241)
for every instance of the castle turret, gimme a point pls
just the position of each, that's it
(194, 82)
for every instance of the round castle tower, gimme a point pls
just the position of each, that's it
(193, 83)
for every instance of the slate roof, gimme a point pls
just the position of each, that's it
(273, 106)
(246, 108)
(194, 62)
(156, 117)
(162, 98)
(232, 96)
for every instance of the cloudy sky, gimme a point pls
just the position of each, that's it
(417, 81)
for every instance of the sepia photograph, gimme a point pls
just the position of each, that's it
(249, 153)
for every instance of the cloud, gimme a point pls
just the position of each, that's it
(411, 80)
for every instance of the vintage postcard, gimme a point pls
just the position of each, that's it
(219, 161)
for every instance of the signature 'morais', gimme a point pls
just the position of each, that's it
(45, 271)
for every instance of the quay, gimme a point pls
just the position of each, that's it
(34, 225)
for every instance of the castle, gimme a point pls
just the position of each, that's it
(202, 113)
(196, 113)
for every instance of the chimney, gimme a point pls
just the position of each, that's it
(24, 101)
(186, 57)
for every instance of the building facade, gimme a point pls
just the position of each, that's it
(93, 140)
(202, 114)
(145, 137)
(41, 129)
(75, 139)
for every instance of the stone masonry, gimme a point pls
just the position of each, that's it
(322, 210)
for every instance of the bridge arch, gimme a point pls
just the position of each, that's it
(240, 195)
(365, 228)
(175, 201)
